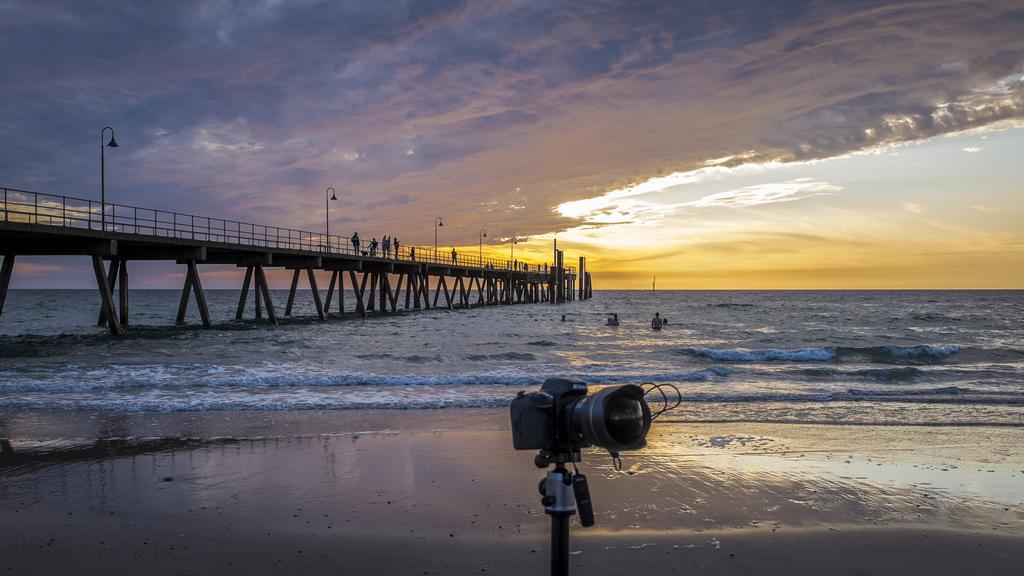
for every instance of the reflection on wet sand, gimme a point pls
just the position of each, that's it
(455, 496)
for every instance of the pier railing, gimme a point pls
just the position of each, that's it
(69, 212)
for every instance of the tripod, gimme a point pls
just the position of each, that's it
(561, 492)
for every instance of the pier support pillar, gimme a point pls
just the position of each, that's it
(425, 289)
(398, 290)
(316, 294)
(112, 282)
(371, 301)
(291, 293)
(6, 272)
(105, 295)
(255, 277)
(330, 292)
(122, 292)
(481, 300)
(240, 311)
(263, 289)
(357, 291)
(391, 294)
(338, 278)
(195, 286)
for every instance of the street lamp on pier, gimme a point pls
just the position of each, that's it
(330, 195)
(103, 174)
(483, 234)
(437, 224)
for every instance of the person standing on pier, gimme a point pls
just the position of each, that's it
(455, 257)
(355, 243)
(395, 242)
(373, 247)
(387, 246)
(412, 253)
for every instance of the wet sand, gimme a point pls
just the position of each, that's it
(442, 492)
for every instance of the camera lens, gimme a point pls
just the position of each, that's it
(625, 419)
(615, 418)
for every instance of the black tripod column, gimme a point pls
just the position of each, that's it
(559, 503)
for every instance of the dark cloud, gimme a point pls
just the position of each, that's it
(250, 108)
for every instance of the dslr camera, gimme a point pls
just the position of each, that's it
(562, 418)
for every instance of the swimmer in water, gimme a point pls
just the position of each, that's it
(656, 322)
(613, 320)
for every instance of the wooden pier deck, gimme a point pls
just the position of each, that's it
(112, 235)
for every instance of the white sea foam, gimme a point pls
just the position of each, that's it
(765, 355)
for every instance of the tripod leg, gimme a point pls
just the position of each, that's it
(560, 544)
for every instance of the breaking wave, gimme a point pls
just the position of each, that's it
(825, 354)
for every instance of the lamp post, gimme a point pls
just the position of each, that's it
(437, 224)
(103, 175)
(483, 234)
(330, 195)
(512, 247)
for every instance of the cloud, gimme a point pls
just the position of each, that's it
(758, 194)
(913, 208)
(249, 109)
(972, 149)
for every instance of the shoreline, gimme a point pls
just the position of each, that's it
(443, 492)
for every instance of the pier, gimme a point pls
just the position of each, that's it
(112, 235)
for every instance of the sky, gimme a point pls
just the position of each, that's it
(737, 144)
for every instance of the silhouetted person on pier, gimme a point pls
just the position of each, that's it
(386, 246)
(395, 242)
(373, 247)
(545, 267)
(455, 257)
(412, 253)
(355, 243)
(657, 322)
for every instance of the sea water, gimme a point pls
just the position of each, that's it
(863, 357)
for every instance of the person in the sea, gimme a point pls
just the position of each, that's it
(613, 320)
(657, 322)
(563, 317)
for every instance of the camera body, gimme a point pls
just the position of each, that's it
(562, 418)
(540, 420)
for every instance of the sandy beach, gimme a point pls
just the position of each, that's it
(442, 492)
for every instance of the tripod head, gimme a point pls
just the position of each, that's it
(546, 458)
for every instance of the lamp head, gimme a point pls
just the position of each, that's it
(333, 195)
(112, 143)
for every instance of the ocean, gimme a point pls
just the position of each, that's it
(952, 358)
